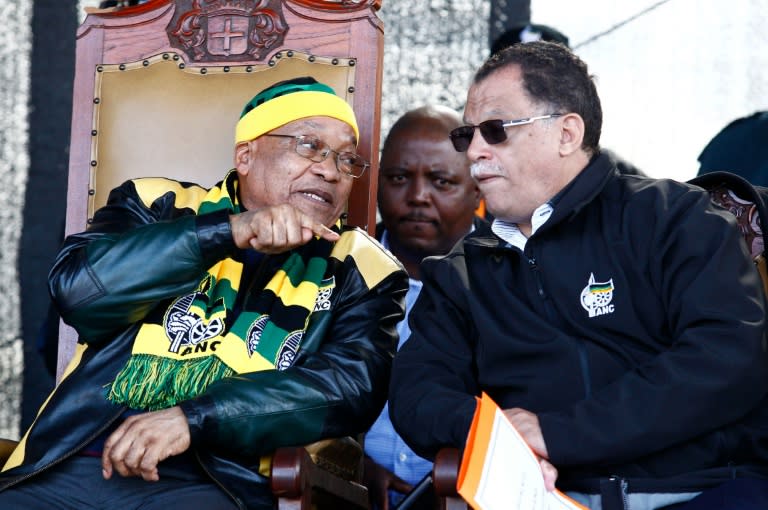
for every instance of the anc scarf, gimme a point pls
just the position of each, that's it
(196, 339)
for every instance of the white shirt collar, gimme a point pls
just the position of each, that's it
(511, 233)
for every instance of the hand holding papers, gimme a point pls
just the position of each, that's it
(500, 471)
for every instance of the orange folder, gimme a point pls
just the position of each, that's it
(500, 471)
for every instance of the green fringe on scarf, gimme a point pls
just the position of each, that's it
(153, 383)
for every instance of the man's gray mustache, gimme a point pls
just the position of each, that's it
(484, 168)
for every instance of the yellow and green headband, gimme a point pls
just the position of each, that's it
(291, 100)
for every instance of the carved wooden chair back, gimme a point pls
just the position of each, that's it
(159, 87)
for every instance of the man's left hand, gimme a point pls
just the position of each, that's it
(143, 440)
(527, 424)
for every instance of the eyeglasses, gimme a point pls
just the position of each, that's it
(493, 131)
(317, 150)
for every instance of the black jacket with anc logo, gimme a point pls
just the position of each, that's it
(633, 325)
(146, 247)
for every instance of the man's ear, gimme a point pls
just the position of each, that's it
(242, 157)
(571, 134)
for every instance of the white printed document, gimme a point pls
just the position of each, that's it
(499, 470)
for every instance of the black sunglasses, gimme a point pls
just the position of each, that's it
(493, 131)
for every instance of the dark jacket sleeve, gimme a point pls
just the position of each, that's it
(712, 370)
(433, 385)
(336, 391)
(138, 254)
(133, 256)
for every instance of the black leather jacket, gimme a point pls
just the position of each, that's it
(142, 250)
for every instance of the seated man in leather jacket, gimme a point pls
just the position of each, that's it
(216, 325)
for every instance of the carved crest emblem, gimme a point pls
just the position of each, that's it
(229, 30)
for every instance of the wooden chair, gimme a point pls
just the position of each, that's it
(158, 89)
(445, 473)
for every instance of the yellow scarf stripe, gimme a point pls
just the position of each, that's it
(151, 188)
(229, 270)
(367, 254)
(229, 348)
(303, 295)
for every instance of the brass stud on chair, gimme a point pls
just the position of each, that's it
(335, 61)
(96, 100)
(94, 132)
(182, 65)
(352, 62)
(99, 69)
(91, 191)
(311, 58)
(290, 53)
(203, 70)
(351, 90)
(166, 56)
(226, 69)
(122, 67)
(93, 162)
(145, 63)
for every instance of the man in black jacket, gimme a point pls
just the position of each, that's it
(617, 320)
(217, 325)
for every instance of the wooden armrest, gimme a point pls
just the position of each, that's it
(296, 477)
(6, 448)
(445, 473)
(341, 456)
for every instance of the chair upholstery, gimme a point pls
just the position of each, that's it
(158, 89)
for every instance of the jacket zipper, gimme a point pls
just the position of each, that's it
(534, 267)
(68, 454)
(623, 488)
(583, 360)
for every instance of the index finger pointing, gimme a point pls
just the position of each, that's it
(326, 233)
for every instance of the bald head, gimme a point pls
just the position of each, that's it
(437, 118)
(427, 197)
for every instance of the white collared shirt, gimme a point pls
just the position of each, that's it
(511, 233)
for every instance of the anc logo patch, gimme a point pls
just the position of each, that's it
(596, 297)
(187, 330)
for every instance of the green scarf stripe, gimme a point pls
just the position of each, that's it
(206, 208)
(312, 271)
(241, 327)
(272, 340)
(158, 375)
(293, 268)
(221, 297)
